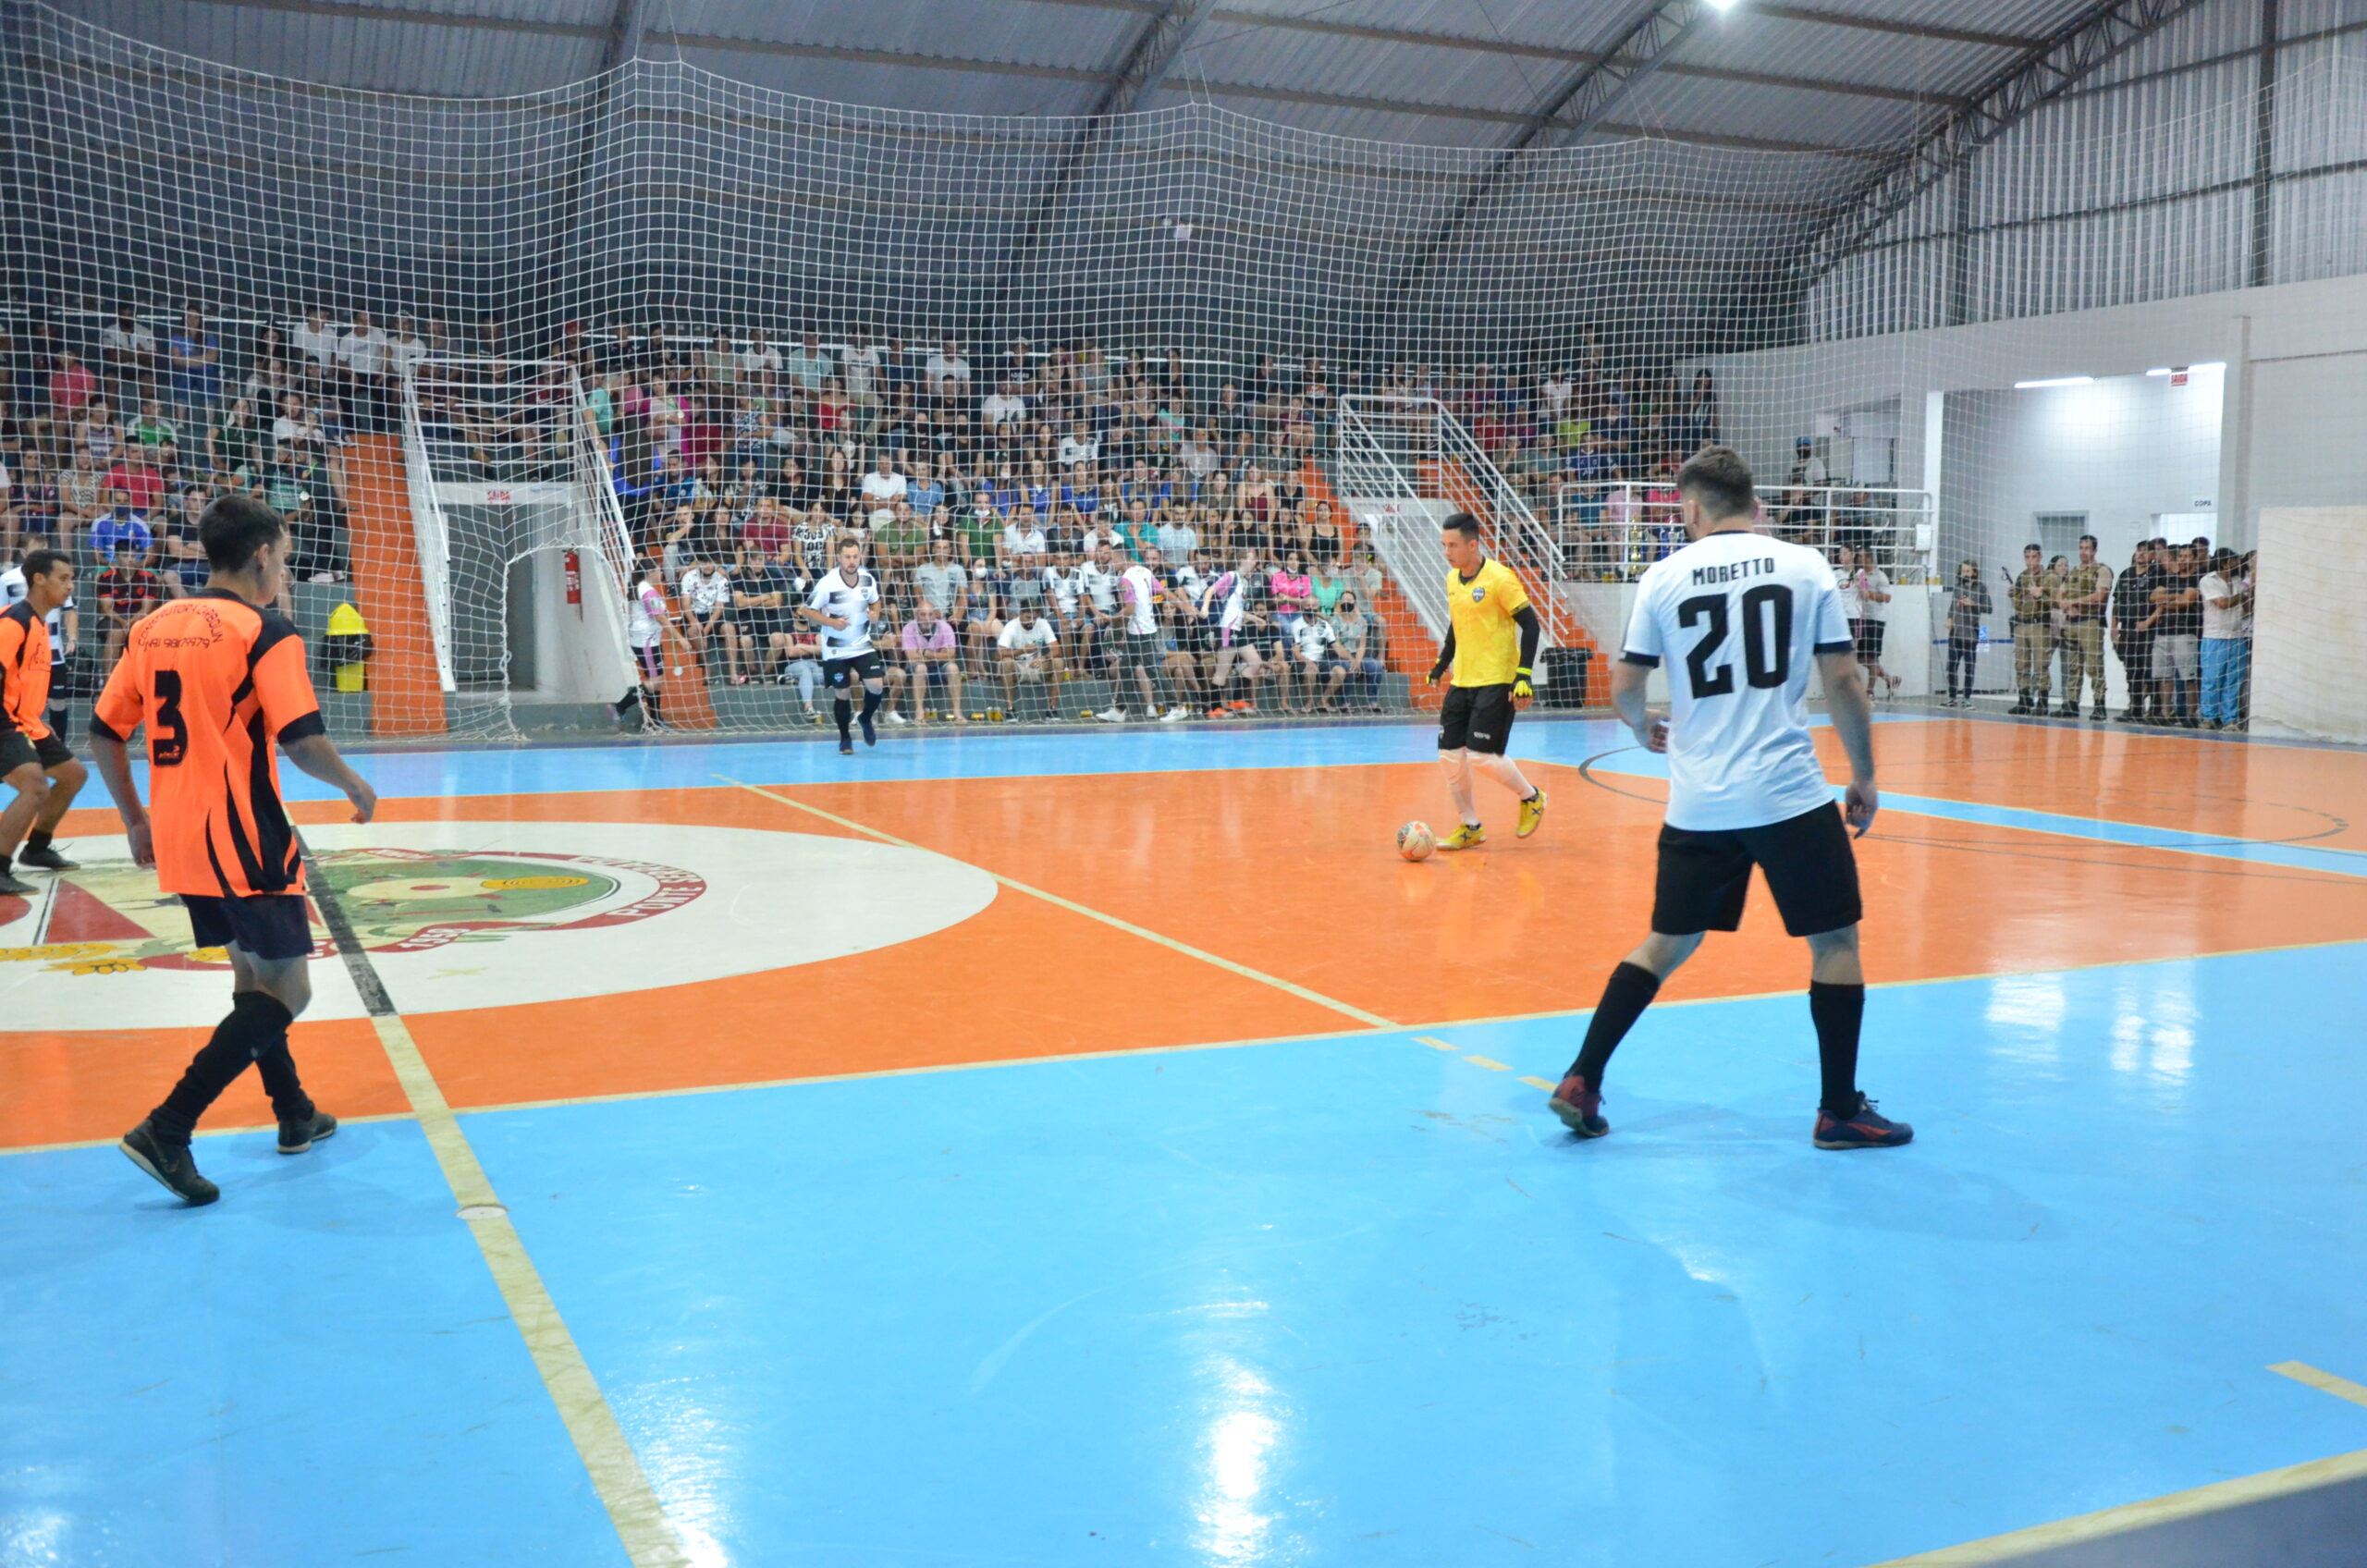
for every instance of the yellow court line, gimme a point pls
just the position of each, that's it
(1491, 1063)
(2324, 1382)
(1436, 1045)
(2214, 1499)
(641, 1523)
(1317, 997)
(1540, 1083)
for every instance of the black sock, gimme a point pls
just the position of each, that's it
(871, 701)
(36, 840)
(257, 1023)
(1626, 995)
(1839, 1011)
(277, 1069)
(843, 711)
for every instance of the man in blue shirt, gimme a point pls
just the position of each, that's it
(121, 532)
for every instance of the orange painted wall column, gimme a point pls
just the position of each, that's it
(406, 697)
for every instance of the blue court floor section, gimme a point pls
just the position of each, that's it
(1359, 1301)
(316, 1369)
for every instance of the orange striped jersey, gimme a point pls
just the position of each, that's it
(216, 681)
(24, 671)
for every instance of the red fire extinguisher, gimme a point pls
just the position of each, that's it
(574, 564)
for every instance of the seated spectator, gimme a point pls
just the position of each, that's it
(1080, 447)
(1027, 651)
(127, 590)
(1321, 669)
(947, 375)
(152, 428)
(1177, 540)
(901, 539)
(183, 562)
(764, 536)
(1357, 643)
(984, 613)
(882, 488)
(299, 428)
(925, 491)
(807, 366)
(232, 445)
(707, 610)
(82, 495)
(1021, 551)
(72, 389)
(942, 579)
(98, 435)
(121, 535)
(128, 350)
(929, 651)
(1004, 407)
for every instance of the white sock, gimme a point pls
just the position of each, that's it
(1501, 770)
(1456, 765)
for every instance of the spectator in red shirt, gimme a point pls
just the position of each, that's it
(766, 531)
(71, 387)
(126, 593)
(136, 477)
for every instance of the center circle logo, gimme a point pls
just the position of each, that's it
(475, 914)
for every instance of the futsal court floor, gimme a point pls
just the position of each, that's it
(1099, 1148)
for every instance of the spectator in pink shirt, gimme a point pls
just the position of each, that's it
(931, 649)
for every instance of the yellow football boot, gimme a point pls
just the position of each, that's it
(1532, 812)
(1465, 837)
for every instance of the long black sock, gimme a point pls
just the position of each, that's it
(843, 711)
(277, 1069)
(871, 701)
(1626, 995)
(257, 1023)
(36, 840)
(1839, 1012)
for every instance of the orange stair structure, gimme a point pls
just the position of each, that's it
(1520, 552)
(1411, 648)
(682, 699)
(407, 698)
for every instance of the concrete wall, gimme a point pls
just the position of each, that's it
(2310, 655)
(2295, 390)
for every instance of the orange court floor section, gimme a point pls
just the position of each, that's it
(1284, 871)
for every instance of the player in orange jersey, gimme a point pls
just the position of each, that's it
(35, 760)
(219, 678)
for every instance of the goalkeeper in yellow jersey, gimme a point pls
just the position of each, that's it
(1491, 646)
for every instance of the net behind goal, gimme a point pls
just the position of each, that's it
(660, 316)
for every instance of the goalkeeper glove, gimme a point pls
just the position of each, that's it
(1522, 690)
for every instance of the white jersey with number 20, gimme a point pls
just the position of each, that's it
(1738, 619)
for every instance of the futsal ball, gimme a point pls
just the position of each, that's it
(1414, 840)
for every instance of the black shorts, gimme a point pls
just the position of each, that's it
(1476, 718)
(1870, 639)
(1140, 650)
(1811, 870)
(17, 748)
(267, 926)
(840, 674)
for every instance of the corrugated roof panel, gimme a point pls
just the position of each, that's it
(1779, 46)
(1404, 73)
(2204, 34)
(385, 55)
(939, 90)
(1084, 38)
(1551, 23)
(1772, 114)
(2031, 18)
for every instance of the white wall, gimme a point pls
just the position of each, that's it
(2309, 659)
(2295, 391)
(2124, 450)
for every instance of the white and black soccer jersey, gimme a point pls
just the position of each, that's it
(834, 594)
(1739, 619)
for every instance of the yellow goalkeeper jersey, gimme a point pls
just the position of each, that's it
(1486, 641)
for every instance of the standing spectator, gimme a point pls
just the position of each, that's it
(1140, 599)
(315, 343)
(646, 634)
(860, 369)
(1871, 586)
(1026, 649)
(361, 354)
(759, 363)
(127, 590)
(2227, 601)
(2087, 593)
(195, 356)
(1968, 604)
(72, 388)
(807, 367)
(2033, 600)
(2176, 625)
(707, 612)
(2132, 605)
(1099, 617)
(406, 349)
(1358, 636)
(128, 350)
(929, 649)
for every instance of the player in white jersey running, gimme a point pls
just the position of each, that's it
(1739, 617)
(840, 605)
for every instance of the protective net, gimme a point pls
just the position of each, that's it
(573, 397)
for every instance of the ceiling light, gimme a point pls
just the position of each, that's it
(2057, 381)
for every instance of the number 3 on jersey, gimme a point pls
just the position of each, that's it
(1766, 640)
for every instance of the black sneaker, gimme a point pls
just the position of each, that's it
(1863, 1129)
(47, 858)
(10, 882)
(295, 1137)
(170, 1164)
(846, 747)
(870, 735)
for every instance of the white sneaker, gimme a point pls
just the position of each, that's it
(1112, 715)
(894, 717)
(1173, 715)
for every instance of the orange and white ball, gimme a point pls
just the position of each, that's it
(1414, 840)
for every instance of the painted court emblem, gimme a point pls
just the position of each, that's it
(473, 914)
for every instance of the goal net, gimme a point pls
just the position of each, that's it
(499, 357)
